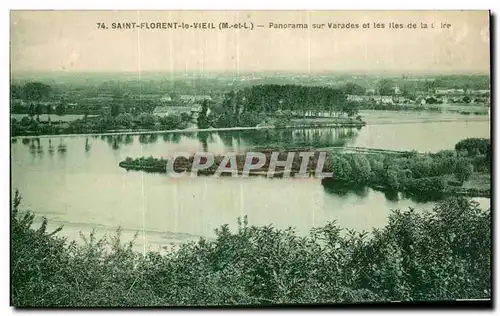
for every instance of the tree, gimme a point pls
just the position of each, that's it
(474, 146)
(354, 89)
(115, 109)
(61, 109)
(377, 168)
(350, 108)
(32, 109)
(385, 87)
(202, 118)
(409, 90)
(25, 121)
(38, 111)
(431, 100)
(147, 120)
(16, 91)
(446, 165)
(422, 167)
(124, 120)
(249, 119)
(463, 170)
(185, 117)
(361, 169)
(341, 168)
(35, 92)
(393, 177)
(170, 122)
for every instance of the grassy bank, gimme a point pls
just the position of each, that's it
(444, 254)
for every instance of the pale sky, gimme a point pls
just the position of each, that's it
(70, 41)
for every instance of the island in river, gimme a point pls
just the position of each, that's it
(464, 171)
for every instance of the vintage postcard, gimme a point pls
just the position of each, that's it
(249, 158)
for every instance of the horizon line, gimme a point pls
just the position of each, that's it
(243, 72)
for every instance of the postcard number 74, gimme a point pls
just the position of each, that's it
(101, 26)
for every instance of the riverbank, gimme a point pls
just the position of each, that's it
(195, 130)
(370, 122)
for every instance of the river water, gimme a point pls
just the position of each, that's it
(76, 181)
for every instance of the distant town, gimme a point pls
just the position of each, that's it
(183, 101)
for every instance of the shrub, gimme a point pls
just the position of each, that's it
(474, 146)
(443, 254)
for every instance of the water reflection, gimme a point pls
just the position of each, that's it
(225, 140)
(51, 148)
(424, 198)
(311, 137)
(176, 138)
(61, 149)
(35, 147)
(166, 137)
(143, 139)
(391, 195)
(128, 139)
(87, 145)
(115, 144)
(39, 147)
(153, 138)
(339, 188)
(203, 138)
(32, 146)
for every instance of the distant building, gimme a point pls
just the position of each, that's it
(97, 99)
(195, 98)
(355, 98)
(421, 100)
(386, 100)
(147, 96)
(441, 91)
(193, 111)
(164, 111)
(166, 98)
(479, 92)
(196, 110)
(370, 91)
(398, 99)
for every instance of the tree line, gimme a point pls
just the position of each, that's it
(299, 99)
(277, 105)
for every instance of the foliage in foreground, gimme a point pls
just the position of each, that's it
(438, 255)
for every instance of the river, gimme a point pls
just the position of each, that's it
(76, 181)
